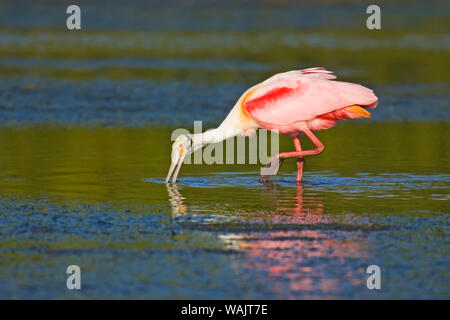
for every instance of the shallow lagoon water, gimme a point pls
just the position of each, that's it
(219, 232)
(86, 120)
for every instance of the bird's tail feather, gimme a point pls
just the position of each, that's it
(359, 111)
(350, 112)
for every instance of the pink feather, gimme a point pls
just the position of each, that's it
(302, 96)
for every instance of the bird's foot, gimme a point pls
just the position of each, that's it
(270, 169)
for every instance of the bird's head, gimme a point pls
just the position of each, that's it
(181, 147)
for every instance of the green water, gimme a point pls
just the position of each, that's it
(85, 125)
(112, 164)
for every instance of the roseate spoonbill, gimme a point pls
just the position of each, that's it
(289, 103)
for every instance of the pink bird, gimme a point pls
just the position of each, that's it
(289, 103)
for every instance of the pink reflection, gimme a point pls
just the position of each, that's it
(304, 254)
(310, 261)
(294, 210)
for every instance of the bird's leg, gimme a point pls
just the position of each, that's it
(300, 160)
(298, 154)
(274, 165)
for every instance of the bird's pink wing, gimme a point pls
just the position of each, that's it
(303, 95)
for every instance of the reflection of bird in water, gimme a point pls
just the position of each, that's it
(176, 200)
(290, 103)
(293, 246)
(294, 209)
(309, 258)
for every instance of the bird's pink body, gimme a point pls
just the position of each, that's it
(292, 101)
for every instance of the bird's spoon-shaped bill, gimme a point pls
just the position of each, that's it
(172, 167)
(177, 161)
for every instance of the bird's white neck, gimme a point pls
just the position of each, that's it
(232, 126)
(214, 136)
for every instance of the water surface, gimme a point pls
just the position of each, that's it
(97, 198)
